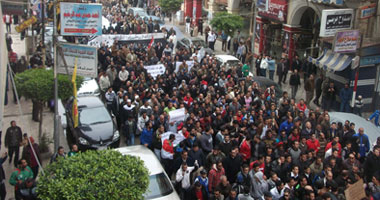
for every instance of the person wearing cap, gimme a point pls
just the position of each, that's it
(30, 157)
(359, 105)
(203, 179)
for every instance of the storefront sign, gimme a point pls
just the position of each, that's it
(335, 20)
(367, 11)
(155, 70)
(346, 41)
(79, 19)
(26, 24)
(277, 10)
(370, 60)
(262, 5)
(87, 60)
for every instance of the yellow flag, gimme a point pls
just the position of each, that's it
(75, 102)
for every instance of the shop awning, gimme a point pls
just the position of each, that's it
(332, 61)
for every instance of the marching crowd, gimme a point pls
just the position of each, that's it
(242, 142)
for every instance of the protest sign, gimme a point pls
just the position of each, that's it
(177, 115)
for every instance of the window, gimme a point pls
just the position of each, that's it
(159, 186)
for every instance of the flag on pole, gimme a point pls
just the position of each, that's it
(75, 101)
(151, 43)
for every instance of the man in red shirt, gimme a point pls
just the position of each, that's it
(214, 176)
(313, 143)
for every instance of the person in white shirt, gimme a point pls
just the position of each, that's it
(8, 22)
(104, 83)
(278, 191)
(211, 39)
(123, 75)
(183, 177)
(264, 66)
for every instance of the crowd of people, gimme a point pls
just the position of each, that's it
(242, 142)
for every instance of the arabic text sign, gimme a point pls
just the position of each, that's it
(26, 24)
(367, 11)
(277, 10)
(346, 41)
(81, 19)
(177, 115)
(369, 60)
(334, 20)
(155, 70)
(109, 38)
(87, 60)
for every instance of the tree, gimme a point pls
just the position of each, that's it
(227, 22)
(38, 85)
(105, 174)
(170, 6)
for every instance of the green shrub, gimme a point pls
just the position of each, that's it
(94, 175)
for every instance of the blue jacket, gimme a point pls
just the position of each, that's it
(146, 137)
(285, 126)
(271, 65)
(345, 94)
(363, 143)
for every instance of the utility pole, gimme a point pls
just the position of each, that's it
(56, 116)
(43, 32)
(358, 54)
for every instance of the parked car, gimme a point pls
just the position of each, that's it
(228, 61)
(264, 83)
(197, 42)
(96, 129)
(369, 128)
(89, 87)
(160, 186)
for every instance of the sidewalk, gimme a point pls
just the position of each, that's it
(25, 122)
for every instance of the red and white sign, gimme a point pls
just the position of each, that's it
(277, 10)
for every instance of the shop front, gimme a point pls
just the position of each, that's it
(272, 36)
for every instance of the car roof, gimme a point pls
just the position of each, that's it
(146, 155)
(369, 128)
(89, 102)
(226, 57)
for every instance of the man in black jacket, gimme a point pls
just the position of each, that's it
(282, 71)
(13, 139)
(232, 164)
(294, 82)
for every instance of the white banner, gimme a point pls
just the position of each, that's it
(190, 64)
(3, 67)
(109, 39)
(177, 115)
(335, 19)
(155, 70)
(178, 137)
(87, 60)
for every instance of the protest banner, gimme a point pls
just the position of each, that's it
(178, 137)
(177, 115)
(155, 70)
(355, 191)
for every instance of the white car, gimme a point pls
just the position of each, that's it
(160, 186)
(89, 87)
(369, 128)
(228, 61)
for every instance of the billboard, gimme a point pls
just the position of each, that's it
(79, 19)
(277, 10)
(334, 20)
(87, 60)
(346, 41)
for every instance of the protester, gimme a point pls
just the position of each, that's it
(31, 153)
(13, 140)
(19, 176)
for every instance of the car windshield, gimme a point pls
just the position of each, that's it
(159, 186)
(233, 63)
(198, 43)
(96, 115)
